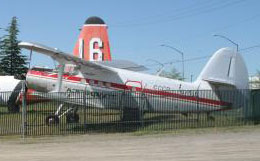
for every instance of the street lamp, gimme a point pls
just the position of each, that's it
(224, 37)
(182, 56)
(162, 66)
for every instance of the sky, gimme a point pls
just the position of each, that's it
(138, 28)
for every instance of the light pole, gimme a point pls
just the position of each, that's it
(224, 37)
(162, 66)
(182, 56)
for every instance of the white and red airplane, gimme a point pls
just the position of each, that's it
(92, 45)
(101, 81)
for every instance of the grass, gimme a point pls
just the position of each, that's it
(208, 130)
(109, 121)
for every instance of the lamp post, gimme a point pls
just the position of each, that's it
(162, 66)
(180, 52)
(224, 37)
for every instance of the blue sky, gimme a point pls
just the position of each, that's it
(137, 28)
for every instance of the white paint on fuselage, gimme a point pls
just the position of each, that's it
(153, 102)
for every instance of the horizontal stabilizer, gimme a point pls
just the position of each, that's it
(220, 81)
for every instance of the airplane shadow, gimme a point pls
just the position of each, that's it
(155, 122)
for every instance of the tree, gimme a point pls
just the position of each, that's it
(1, 72)
(12, 62)
(172, 74)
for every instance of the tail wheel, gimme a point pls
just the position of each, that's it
(52, 120)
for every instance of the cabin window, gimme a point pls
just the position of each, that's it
(71, 69)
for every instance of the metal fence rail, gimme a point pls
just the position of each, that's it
(108, 112)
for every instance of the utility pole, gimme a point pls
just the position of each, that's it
(161, 64)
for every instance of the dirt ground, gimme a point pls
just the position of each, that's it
(238, 144)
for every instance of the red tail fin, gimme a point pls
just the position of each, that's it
(93, 43)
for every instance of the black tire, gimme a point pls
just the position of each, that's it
(52, 120)
(132, 115)
(72, 118)
(13, 107)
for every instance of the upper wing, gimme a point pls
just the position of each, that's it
(64, 58)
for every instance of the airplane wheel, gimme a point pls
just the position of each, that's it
(13, 109)
(72, 118)
(132, 115)
(52, 120)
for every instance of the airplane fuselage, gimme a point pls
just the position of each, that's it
(139, 90)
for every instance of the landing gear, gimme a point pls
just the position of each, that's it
(70, 113)
(13, 108)
(210, 118)
(12, 104)
(133, 115)
(52, 120)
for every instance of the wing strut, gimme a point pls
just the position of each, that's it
(60, 76)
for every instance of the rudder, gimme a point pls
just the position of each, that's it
(226, 67)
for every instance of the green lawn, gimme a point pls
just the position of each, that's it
(109, 121)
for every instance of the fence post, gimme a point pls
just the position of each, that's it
(197, 106)
(85, 108)
(23, 110)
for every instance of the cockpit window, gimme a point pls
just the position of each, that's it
(71, 69)
(42, 69)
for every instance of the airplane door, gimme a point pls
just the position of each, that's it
(134, 85)
(133, 95)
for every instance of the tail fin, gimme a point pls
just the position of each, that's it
(93, 43)
(226, 67)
